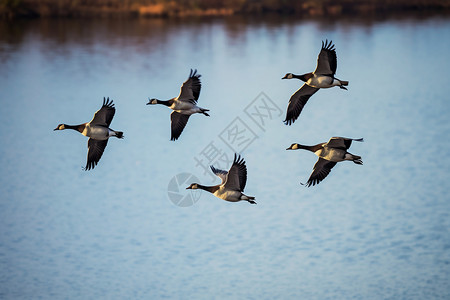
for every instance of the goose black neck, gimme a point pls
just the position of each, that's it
(210, 189)
(165, 102)
(313, 148)
(301, 77)
(74, 127)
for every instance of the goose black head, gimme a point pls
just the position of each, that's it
(152, 101)
(193, 186)
(60, 127)
(288, 76)
(294, 146)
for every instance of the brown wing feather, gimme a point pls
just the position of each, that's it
(95, 152)
(237, 175)
(297, 102)
(327, 59)
(220, 173)
(190, 90)
(321, 170)
(177, 123)
(341, 142)
(105, 114)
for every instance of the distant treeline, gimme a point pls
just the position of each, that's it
(181, 8)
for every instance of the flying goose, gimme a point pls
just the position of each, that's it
(184, 105)
(322, 77)
(98, 132)
(233, 183)
(329, 154)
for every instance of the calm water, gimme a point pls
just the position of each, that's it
(377, 231)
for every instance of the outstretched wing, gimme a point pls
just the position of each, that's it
(177, 123)
(220, 173)
(327, 60)
(237, 175)
(297, 102)
(190, 90)
(105, 114)
(341, 142)
(321, 170)
(95, 152)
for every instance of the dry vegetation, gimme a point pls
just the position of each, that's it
(161, 8)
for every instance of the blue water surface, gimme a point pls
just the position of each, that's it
(377, 231)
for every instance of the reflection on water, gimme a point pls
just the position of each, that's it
(146, 30)
(366, 232)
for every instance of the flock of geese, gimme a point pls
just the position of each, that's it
(233, 181)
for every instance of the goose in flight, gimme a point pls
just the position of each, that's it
(329, 154)
(322, 77)
(184, 105)
(98, 132)
(233, 183)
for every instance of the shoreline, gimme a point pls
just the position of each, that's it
(181, 9)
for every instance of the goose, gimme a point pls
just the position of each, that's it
(184, 105)
(233, 183)
(98, 132)
(329, 154)
(322, 77)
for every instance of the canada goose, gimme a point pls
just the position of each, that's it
(322, 77)
(329, 154)
(98, 132)
(184, 105)
(233, 183)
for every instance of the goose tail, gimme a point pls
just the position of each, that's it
(343, 84)
(204, 111)
(357, 160)
(248, 198)
(119, 134)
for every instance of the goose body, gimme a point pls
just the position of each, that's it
(98, 132)
(322, 77)
(323, 81)
(330, 153)
(233, 183)
(184, 105)
(333, 154)
(232, 196)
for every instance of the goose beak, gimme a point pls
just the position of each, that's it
(289, 148)
(149, 101)
(285, 77)
(189, 188)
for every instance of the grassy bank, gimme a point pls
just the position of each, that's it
(183, 8)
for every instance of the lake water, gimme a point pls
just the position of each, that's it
(377, 231)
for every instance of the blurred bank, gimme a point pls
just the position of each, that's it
(187, 8)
